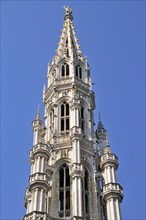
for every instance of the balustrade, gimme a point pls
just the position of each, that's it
(37, 216)
(112, 187)
(38, 176)
(39, 147)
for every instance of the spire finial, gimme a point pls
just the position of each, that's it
(68, 13)
(99, 117)
(38, 113)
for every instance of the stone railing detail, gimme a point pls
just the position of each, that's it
(112, 188)
(39, 147)
(109, 158)
(36, 215)
(39, 176)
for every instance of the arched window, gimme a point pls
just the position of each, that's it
(78, 71)
(82, 119)
(64, 117)
(64, 70)
(64, 191)
(85, 194)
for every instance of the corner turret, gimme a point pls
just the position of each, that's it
(37, 127)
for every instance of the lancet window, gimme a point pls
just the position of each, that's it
(86, 192)
(64, 117)
(64, 191)
(78, 71)
(64, 70)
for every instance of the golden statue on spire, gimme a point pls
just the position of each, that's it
(68, 10)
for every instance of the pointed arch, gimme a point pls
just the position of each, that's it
(65, 70)
(78, 71)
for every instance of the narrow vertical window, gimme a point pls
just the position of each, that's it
(86, 192)
(62, 124)
(62, 110)
(67, 124)
(67, 109)
(63, 71)
(64, 119)
(82, 121)
(67, 70)
(78, 71)
(64, 192)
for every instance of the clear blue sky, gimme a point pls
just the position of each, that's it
(112, 36)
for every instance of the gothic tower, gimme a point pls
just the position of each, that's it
(73, 170)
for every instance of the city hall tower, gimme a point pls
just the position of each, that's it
(73, 170)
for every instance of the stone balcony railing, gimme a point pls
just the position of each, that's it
(39, 177)
(110, 158)
(38, 148)
(36, 215)
(112, 188)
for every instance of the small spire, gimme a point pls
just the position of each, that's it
(38, 113)
(100, 124)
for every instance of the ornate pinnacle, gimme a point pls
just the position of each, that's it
(100, 125)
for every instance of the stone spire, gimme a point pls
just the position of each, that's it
(69, 179)
(68, 46)
(100, 124)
